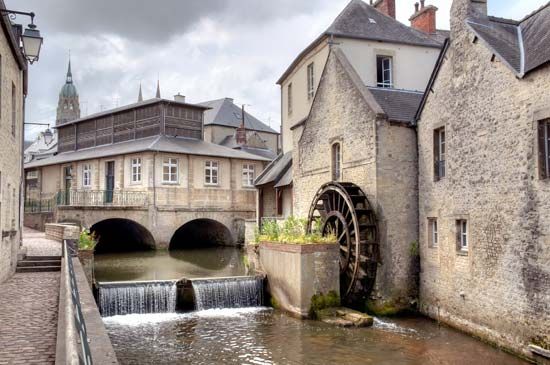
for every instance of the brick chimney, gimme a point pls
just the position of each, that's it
(385, 6)
(424, 17)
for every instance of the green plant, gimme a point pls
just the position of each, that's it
(293, 231)
(415, 249)
(86, 240)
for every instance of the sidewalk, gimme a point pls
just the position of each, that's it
(29, 307)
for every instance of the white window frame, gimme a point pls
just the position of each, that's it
(172, 176)
(249, 174)
(310, 81)
(33, 174)
(211, 173)
(87, 175)
(463, 234)
(336, 161)
(385, 67)
(135, 170)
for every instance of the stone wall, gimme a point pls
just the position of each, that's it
(378, 156)
(38, 221)
(500, 288)
(297, 272)
(60, 232)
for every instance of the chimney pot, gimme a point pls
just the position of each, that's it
(179, 98)
(416, 5)
(424, 19)
(422, 4)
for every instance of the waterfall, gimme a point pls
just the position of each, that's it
(137, 298)
(235, 292)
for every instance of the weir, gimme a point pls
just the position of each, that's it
(120, 298)
(236, 292)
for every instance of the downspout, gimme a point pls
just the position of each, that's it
(22, 180)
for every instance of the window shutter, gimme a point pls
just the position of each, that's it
(542, 150)
(436, 155)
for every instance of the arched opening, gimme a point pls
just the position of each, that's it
(122, 235)
(201, 233)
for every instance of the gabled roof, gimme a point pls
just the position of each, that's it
(275, 170)
(225, 113)
(360, 20)
(522, 45)
(175, 145)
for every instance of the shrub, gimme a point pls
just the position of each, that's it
(293, 231)
(87, 240)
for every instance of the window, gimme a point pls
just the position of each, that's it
(439, 153)
(211, 173)
(289, 96)
(384, 74)
(87, 175)
(136, 170)
(544, 148)
(248, 175)
(336, 162)
(433, 232)
(170, 171)
(32, 174)
(310, 81)
(462, 234)
(13, 108)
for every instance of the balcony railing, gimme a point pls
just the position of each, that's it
(40, 205)
(102, 198)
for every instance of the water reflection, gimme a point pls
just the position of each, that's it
(168, 265)
(260, 336)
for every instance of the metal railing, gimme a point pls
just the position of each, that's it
(40, 205)
(102, 198)
(75, 319)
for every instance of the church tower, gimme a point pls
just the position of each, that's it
(68, 107)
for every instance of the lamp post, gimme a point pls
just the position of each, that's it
(31, 39)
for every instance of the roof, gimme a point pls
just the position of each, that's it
(285, 180)
(275, 170)
(176, 145)
(399, 105)
(360, 20)
(225, 113)
(129, 107)
(522, 45)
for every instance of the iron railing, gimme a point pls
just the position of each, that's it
(102, 198)
(75, 308)
(40, 205)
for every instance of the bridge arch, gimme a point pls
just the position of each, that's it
(201, 233)
(122, 235)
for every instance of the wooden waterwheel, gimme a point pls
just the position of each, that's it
(344, 210)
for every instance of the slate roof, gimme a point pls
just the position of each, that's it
(523, 45)
(399, 105)
(276, 170)
(225, 113)
(174, 145)
(355, 22)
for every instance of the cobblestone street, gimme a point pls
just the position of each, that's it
(28, 309)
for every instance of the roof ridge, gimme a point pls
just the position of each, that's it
(503, 20)
(528, 16)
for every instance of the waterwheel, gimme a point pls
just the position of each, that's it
(344, 210)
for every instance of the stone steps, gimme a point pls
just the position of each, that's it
(39, 264)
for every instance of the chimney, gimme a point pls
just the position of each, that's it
(479, 7)
(424, 17)
(385, 6)
(179, 98)
(240, 135)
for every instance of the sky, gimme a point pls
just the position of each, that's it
(207, 49)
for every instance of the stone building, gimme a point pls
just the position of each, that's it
(348, 101)
(147, 163)
(484, 188)
(13, 88)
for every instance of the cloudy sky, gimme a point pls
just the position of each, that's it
(205, 49)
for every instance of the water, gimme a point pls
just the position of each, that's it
(170, 265)
(265, 336)
(137, 298)
(228, 293)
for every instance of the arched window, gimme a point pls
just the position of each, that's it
(336, 162)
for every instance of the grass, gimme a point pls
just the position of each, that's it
(86, 240)
(293, 231)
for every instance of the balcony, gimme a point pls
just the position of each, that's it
(102, 198)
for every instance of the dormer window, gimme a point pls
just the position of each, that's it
(384, 65)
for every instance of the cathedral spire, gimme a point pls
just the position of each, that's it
(140, 96)
(69, 73)
(158, 89)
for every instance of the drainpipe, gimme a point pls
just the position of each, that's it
(155, 179)
(22, 180)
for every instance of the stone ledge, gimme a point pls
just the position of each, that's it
(295, 248)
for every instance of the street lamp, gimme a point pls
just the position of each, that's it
(31, 39)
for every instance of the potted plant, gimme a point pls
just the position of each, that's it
(86, 245)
